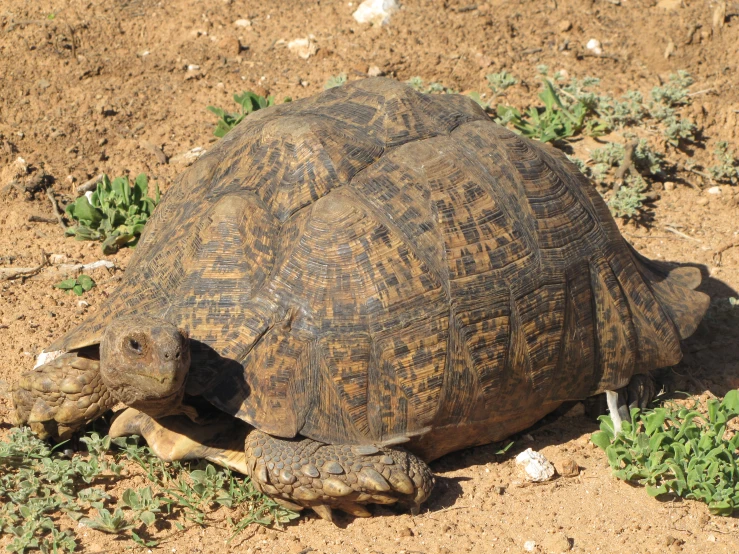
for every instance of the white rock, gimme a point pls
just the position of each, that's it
(46, 357)
(529, 546)
(714, 190)
(242, 23)
(83, 304)
(594, 46)
(377, 12)
(55, 259)
(374, 71)
(187, 158)
(193, 67)
(536, 467)
(303, 47)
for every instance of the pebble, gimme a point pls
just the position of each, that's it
(242, 23)
(529, 546)
(375, 71)
(594, 46)
(303, 47)
(714, 190)
(565, 26)
(669, 185)
(702, 201)
(376, 12)
(570, 468)
(230, 46)
(406, 532)
(536, 467)
(556, 544)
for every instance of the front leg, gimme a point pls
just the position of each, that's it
(61, 396)
(325, 476)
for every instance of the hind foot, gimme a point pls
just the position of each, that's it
(325, 476)
(640, 391)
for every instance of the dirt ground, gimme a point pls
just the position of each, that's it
(121, 87)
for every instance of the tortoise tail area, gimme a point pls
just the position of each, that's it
(674, 289)
(641, 310)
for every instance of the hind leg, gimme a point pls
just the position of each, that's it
(640, 391)
(61, 396)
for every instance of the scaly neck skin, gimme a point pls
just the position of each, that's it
(144, 362)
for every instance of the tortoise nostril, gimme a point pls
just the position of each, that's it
(177, 356)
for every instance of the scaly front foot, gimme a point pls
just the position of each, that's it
(61, 396)
(324, 476)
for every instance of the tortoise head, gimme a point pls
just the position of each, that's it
(144, 362)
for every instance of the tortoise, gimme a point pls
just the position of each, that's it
(366, 268)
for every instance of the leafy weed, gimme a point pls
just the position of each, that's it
(115, 213)
(78, 285)
(679, 451)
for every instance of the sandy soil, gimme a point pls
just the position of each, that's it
(90, 87)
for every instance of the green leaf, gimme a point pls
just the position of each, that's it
(601, 439)
(147, 517)
(67, 284)
(86, 282)
(656, 491)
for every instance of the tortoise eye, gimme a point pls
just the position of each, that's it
(134, 345)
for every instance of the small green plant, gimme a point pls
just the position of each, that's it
(37, 483)
(555, 121)
(418, 84)
(727, 170)
(675, 93)
(78, 285)
(114, 214)
(248, 102)
(679, 130)
(679, 451)
(628, 201)
(335, 81)
(499, 82)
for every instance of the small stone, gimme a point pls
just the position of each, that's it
(536, 468)
(564, 26)
(230, 46)
(594, 46)
(669, 186)
(375, 71)
(193, 67)
(714, 190)
(303, 47)
(376, 12)
(529, 546)
(711, 538)
(702, 201)
(242, 23)
(556, 544)
(406, 532)
(570, 468)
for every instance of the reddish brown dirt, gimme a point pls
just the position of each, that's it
(92, 88)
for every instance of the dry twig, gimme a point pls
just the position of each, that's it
(680, 233)
(55, 206)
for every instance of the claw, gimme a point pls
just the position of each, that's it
(357, 510)
(401, 483)
(324, 512)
